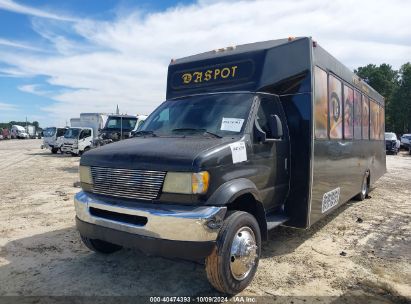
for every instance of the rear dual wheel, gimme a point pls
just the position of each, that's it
(364, 188)
(233, 263)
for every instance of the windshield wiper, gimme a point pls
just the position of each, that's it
(196, 130)
(144, 132)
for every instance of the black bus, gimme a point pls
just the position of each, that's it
(249, 138)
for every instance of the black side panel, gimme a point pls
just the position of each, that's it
(342, 164)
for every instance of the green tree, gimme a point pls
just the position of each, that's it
(385, 81)
(401, 102)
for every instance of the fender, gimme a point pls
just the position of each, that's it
(231, 190)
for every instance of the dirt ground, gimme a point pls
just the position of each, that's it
(363, 249)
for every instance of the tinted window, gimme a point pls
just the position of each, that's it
(121, 122)
(365, 117)
(357, 114)
(320, 103)
(267, 109)
(335, 107)
(374, 120)
(348, 112)
(60, 132)
(382, 123)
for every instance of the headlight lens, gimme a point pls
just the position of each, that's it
(186, 183)
(85, 175)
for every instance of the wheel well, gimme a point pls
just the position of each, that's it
(368, 172)
(247, 202)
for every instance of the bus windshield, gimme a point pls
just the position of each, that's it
(221, 115)
(72, 133)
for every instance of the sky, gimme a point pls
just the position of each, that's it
(61, 58)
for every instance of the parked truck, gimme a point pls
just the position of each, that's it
(31, 131)
(53, 139)
(18, 132)
(76, 141)
(118, 127)
(5, 132)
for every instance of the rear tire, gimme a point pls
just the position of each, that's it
(364, 188)
(233, 263)
(100, 246)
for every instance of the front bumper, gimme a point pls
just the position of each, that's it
(170, 230)
(69, 149)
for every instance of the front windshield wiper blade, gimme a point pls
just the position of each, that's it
(196, 130)
(145, 132)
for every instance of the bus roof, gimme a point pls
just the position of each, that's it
(255, 67)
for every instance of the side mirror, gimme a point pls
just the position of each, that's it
(276, 127)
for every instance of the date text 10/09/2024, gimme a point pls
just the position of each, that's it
(206, 299)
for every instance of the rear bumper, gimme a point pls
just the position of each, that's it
(184, 231)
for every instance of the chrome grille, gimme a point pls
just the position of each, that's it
(127, 183)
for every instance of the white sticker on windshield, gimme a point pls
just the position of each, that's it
(238, 152)
(232, 124)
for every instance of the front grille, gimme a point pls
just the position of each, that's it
(127, 183)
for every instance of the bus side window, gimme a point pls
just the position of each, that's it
(357, 114)
(348, 112)
(320, 104)
(365, 117)
(382, 123)
(374, 124)
(335, 107)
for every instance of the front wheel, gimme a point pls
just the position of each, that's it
(100, 246)
(54, 150)
(233, 263)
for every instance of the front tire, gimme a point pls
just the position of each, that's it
(54, 150)
(233, 263)
(100, 246)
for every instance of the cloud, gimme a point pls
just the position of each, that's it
(7, 107)
(36, 90)
(15, 44)
(28, 10)
(124, 61)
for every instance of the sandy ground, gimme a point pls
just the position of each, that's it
(363, 250)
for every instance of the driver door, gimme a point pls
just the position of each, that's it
(271, 154)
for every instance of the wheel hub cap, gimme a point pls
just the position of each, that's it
(243, 253)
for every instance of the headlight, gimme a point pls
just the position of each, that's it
(187, 183)
(85, 175)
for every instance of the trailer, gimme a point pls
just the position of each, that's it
(31, 131)
(75, 122)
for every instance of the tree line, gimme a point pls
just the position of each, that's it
(395, 86)
(8, 125)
